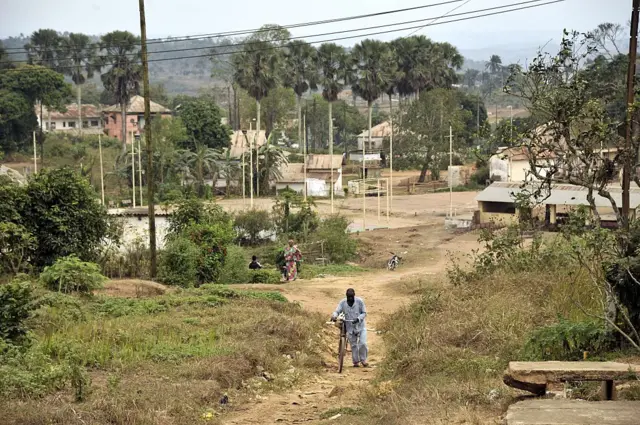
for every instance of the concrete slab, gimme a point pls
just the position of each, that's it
(573, 412)
(548, 372)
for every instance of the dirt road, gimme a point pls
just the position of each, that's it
(383, 292)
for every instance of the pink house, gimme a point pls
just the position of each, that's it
(112, 117)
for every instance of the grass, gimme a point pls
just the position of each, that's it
(310, 271)
(165, 359)
(446, 351)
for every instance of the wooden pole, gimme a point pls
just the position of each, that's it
(101, 167)
(133, 170)
(331, 188)
(251, 173)
(388, 200)
(304, 154)
(450, 172)
(140, 167)
(244, 182)
(35, 153)
(378, 187)
(390, 185)
(626, 171)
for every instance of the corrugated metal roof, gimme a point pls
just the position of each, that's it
(323, 162)
(560, 194)
(238, 138)
(88, 112)
(136, 106)
(381, 130)
(294, 172)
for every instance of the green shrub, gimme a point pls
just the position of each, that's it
(212, 240)
(481, 176)
(338, 245)
(249, 224)
(70, 274)
(15, 244)
(16, 305)
(235, 268)
(567, 341)
(265, 276)
(194, 211)
(179, 262)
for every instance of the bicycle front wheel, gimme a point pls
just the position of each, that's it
(342, 349)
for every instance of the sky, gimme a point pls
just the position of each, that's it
(520, 29)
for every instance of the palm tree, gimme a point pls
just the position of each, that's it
(80, 60)
(470, 77)
(330, 58)
(229, 169)
(494, 64)
(272, 157)
(123, 79)
(199, 164)
(257, 70)
(43, 48)
(300, 73)
(375, 66)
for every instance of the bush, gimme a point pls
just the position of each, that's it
(265, 276)
(567, 341)
(194, 211)
(179, 262)
(236, 267)
(15, 244)
(249, 224)
(338, 246)
(212, 241)
(16, 305)
(481, 176)
(70, 274)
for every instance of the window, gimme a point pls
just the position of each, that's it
(72, 124)
(499, 207)
(47, 126)
(64, 123)
(85, 124)
(53, 125)
(94, 123)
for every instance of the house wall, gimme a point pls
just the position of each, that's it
(113, 124)
(514, 171)
(68, 124)
(376, 143)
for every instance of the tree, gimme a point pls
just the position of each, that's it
(375, 66)
(122, 80)
(37, 84)
(80, 62)
(330, 58)
(276, 109)
(202, 120)
(201, 163)
(470, 77)
(17, 121)
(494, 64)
(62, 213)
(43, 48)
(159, 93)
(5, 61)
(423, 134)
(167, 136)
(300, 73)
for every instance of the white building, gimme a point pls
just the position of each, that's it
(61, 122)
(512, 165)
(318, 176)
(378, 133)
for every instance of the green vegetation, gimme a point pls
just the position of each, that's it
(69, 274)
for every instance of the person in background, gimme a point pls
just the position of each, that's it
(254, 264)
(291, 256)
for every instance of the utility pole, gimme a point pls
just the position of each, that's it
(244, 183)
(251, 174)
(148, 139)
(133, 172)
(450, 173)
(35, 154)
(101, 168)
(332, 186)
(626, 171)
(304, 153)
(140, 165)
(390, 185)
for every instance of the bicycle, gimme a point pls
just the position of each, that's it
(342, 344)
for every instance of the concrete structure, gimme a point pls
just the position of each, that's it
(67, 122)
(573, 412)
(13, 175)
(496, 203)
(378, 133)
(135, 222)
(318, 180)
(135, 117)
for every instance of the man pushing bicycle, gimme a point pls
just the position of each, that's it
(354, 312)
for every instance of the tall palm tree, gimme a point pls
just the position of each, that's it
(375, 66)
(330, 58)
(123, 78)
(272, 158)
(257, 69)
(43, 48)
(300, 73)
(80, 63)
(470, 77)
(494, 64)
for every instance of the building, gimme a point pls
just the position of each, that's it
(513, 165)
(63, 122)
(135, 117)
(378, 134)
(318, 176)
(496, 203)
(240, 142)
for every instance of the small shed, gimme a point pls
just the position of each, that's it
(496, 203)
(318, 176)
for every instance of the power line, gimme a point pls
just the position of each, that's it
(290, 26)
(437, 19)
(432, 19)
(347, 37)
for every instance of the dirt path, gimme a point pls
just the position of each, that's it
(383, 292)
